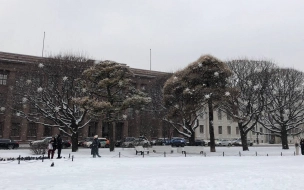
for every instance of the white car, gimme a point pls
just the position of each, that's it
(226, 142)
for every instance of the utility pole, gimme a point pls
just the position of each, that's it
(150, 59)
(43, 43)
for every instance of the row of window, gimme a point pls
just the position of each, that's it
(237, 131)
(33, 127)
(220, 130)
(3, 77)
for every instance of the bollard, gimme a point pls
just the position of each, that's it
(205, 154)
(143, 153)
(42, 157)
(294, 153)
(281, 154)
(69, 155)
(267, 154)
(185, 154)
(240, 153)
(256, 153)
(223, 154)
(19, 159)
(119, 154)
(72, 158)
(164, 154)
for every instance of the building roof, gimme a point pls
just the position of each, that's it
(13, 57)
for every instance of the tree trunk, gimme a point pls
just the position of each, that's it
(111, 136)
(74, 140)
(243, 137)
(211, 129)
(284, 139)
(192, 139)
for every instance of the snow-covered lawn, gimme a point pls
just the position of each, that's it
(130, 171)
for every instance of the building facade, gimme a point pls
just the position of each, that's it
(13, 66)
(138, 122)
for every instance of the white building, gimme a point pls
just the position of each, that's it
(226, 128)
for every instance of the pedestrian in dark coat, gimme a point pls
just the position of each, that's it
(59, 146)
(95, 145)
(302, 146)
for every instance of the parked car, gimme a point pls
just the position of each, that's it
(226, 142)
(118, 143)
(127, 142)
(103, 143)
(178, 142)
(239, 143)
(141, 142)
(162, 141)
(85, 141)
(44, 143)
(216, 141)
(198, 142)
(8, 144)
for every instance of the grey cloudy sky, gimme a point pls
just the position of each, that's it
(177, 31)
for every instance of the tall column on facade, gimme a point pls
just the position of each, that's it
(9, 103)
(125, 129)
(99, 129)
(40, 130)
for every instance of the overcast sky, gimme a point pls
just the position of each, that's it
(176, 31)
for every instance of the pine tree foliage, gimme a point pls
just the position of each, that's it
(187, 92)
(111, 91)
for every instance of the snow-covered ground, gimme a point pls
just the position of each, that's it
(154, 171)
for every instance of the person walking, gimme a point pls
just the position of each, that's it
(59, 146)
(95, 146)
(51, 148)
(302, 146)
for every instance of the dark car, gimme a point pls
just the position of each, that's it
(178, 142)
(239, 143)
(198, 142)
(162, 141)
(8, 144)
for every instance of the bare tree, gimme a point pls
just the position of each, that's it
(285, 114)
(46, 95)
(245, 104)
(187, 94)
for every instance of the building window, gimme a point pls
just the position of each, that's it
(3, 78)
(228, 116)
(1, 129)
(32, 130)
(2, 100)
(130, 112)
(220, 131)
(261, 130)
(219, 114)
(47, 131)
(229, 130)
(201, 128)
(237, 131)
(15, 130)
(92, 129)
